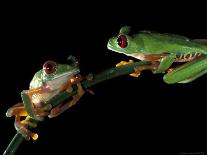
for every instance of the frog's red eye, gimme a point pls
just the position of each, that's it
(49, 67)
(122, 41)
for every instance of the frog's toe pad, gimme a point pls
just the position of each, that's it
(34, 136)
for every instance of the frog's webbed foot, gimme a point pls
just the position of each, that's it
(22, 127)
(153, 67)
(23, 122)
(135, 74)
(122, 63)
(65, 106)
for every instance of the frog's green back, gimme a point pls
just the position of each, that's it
(157, 43)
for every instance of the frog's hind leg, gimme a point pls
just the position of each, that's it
(17, 109)
(194, 78)
(187, 72)
(22, 121)
(22, 127)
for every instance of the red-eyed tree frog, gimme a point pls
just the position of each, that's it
(52, 79)
(163, 50)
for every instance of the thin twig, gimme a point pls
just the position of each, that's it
(113, 73)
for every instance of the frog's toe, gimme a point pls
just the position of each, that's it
(122, 63)
(136, 75)
(22, 128)
(34, 136)
(29, 124)
(170, 70)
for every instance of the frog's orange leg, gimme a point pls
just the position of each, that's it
(22, 127)
(17, 109)
(21, 124)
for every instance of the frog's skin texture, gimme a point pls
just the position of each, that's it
(46, 83)
(163, 50)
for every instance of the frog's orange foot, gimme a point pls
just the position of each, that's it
(22, 128)
(136, 75)
(138, 71)
(122, 63)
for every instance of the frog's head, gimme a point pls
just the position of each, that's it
(52, 70)
(124, 42)
(55, 74)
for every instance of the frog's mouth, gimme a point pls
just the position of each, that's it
(110, 46)
(62, 79)
(139, 56)
(71, 73)
(115, 49)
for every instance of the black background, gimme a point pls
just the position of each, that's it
(126, 115)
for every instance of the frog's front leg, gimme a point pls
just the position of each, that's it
(165, 63)
(139, 69)
(63, 107)
(153, 66)
(122, 63)
(187, 72)
(33, 104)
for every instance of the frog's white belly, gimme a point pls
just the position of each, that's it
(39, 99)
(139, 56)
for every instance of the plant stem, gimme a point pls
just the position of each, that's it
(14, 144)
(112, 73)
